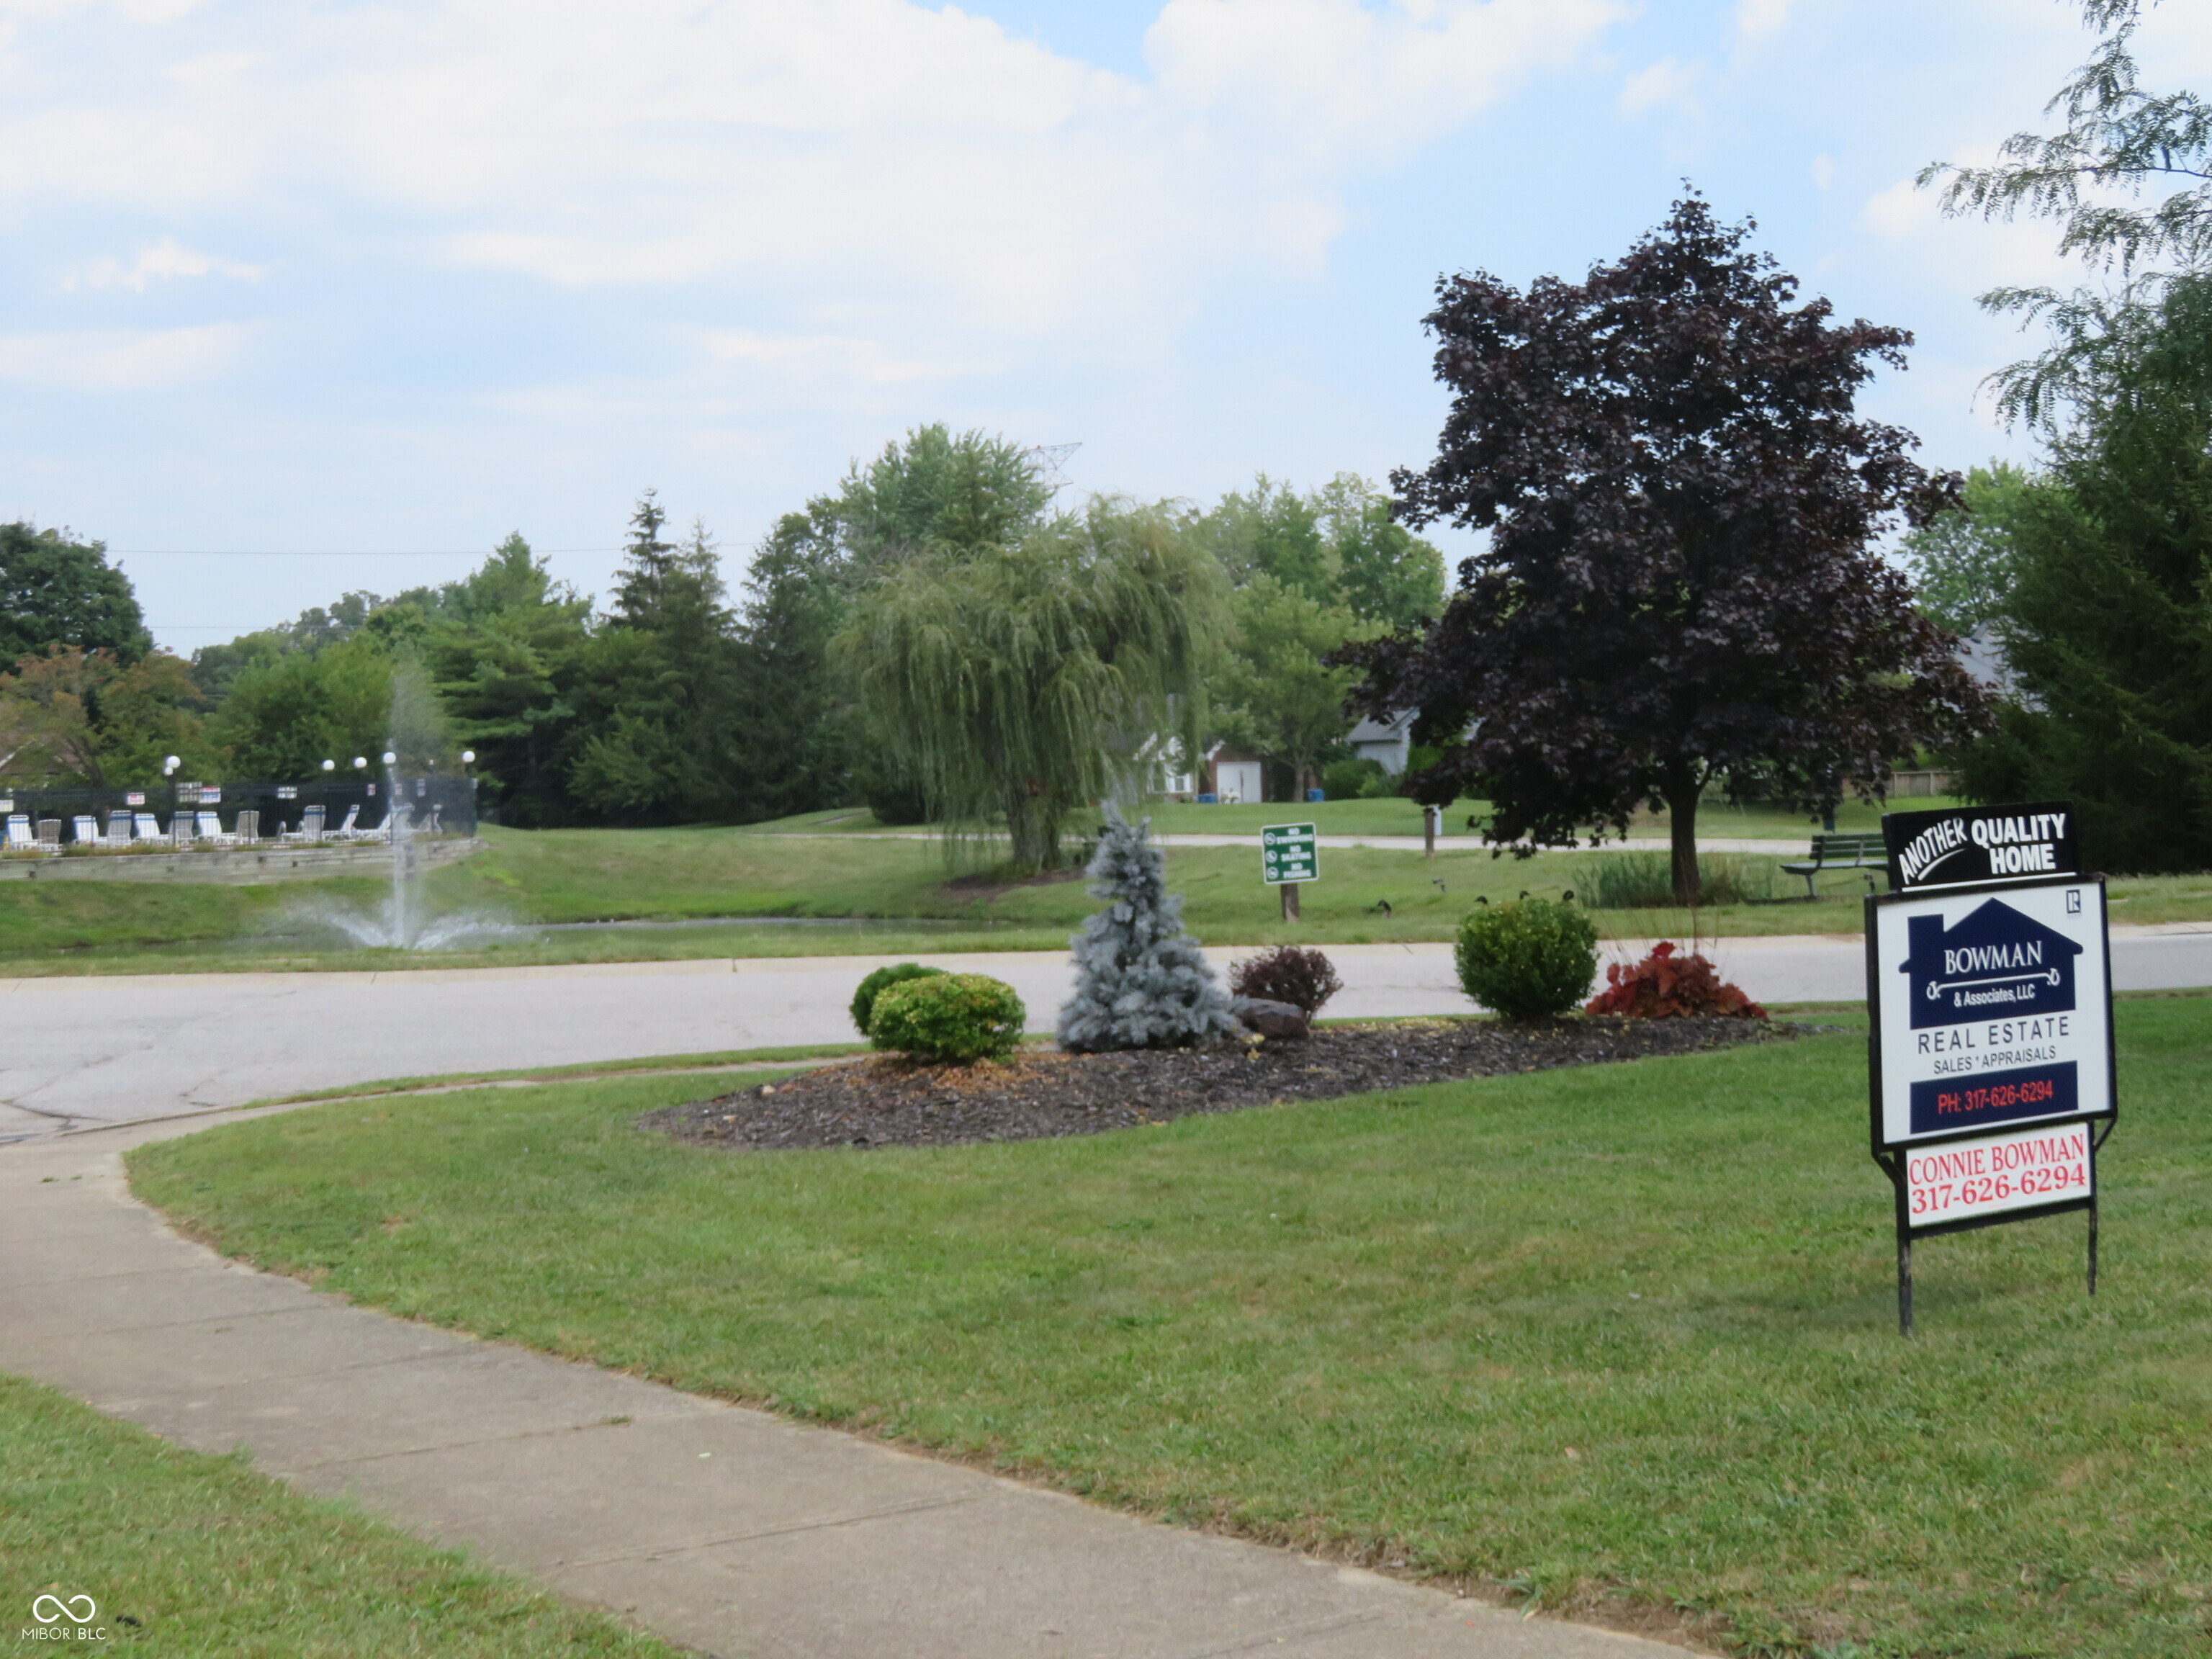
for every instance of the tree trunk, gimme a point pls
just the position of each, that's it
(1683, 788)
(1033, 822)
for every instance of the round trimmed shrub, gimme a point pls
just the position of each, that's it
(949, 1017)
(863, 999)
(1531, 959)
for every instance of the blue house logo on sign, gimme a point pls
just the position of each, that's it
(1995, 962)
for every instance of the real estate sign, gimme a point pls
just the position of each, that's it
(1990, 1056)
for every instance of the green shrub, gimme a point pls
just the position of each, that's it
(1529, 959)
(863, 999)
(949, 1017)
(1346, 780)
(893, 799)
(1645, 881)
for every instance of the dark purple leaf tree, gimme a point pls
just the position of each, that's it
(1680, 590)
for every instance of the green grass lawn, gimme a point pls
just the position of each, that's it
(205, 1557)
(876, 897)
(1626, 1331)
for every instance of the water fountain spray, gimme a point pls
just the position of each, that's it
(414, 740)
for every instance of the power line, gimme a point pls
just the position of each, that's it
(323, 554)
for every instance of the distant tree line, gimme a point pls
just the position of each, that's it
(844, 669)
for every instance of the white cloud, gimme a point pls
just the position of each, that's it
(1755, 19)
(158, 262)
(845, 154)
(1667, 84)
(120, 360)
(1332, 77)
(850, 358)
(1968, 256)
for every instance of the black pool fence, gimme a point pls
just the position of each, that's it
(280, 806)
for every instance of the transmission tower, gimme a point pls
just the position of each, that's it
(1047, 459)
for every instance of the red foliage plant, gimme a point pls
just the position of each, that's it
(1305, 979)
(1665, 986)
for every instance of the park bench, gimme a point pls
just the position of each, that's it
(1840, 852)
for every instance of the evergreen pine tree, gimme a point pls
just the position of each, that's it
(1140, 981)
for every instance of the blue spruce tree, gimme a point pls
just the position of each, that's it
(1140, 981)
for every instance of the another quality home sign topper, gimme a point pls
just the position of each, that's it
(1990, 987)
(1990, 843)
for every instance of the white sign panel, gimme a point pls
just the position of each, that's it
(1965, 1180)
(1993, 1007)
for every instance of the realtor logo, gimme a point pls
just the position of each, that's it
(1995, 963)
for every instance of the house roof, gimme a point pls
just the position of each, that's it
(1391, 731)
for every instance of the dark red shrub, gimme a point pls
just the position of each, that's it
(1289, 973)
(1665, 986)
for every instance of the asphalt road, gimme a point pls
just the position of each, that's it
(82, 1050)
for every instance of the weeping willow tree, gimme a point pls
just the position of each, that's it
(1017, 684)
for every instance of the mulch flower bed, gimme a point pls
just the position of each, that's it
(885, 1101)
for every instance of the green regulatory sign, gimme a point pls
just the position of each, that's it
(1289, 852)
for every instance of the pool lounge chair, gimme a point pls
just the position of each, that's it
(21, 838)
(246, 828)
(207, 827)
(310, 830)
(84, 830)
(345, 831)
(118, 829)
(147, 826)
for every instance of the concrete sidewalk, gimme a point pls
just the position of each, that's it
(725, 1530)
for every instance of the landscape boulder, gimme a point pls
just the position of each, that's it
(1271, 1019)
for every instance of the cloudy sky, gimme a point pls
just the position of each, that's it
(379, 276)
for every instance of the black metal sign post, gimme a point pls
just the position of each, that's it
(1989, 1048)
